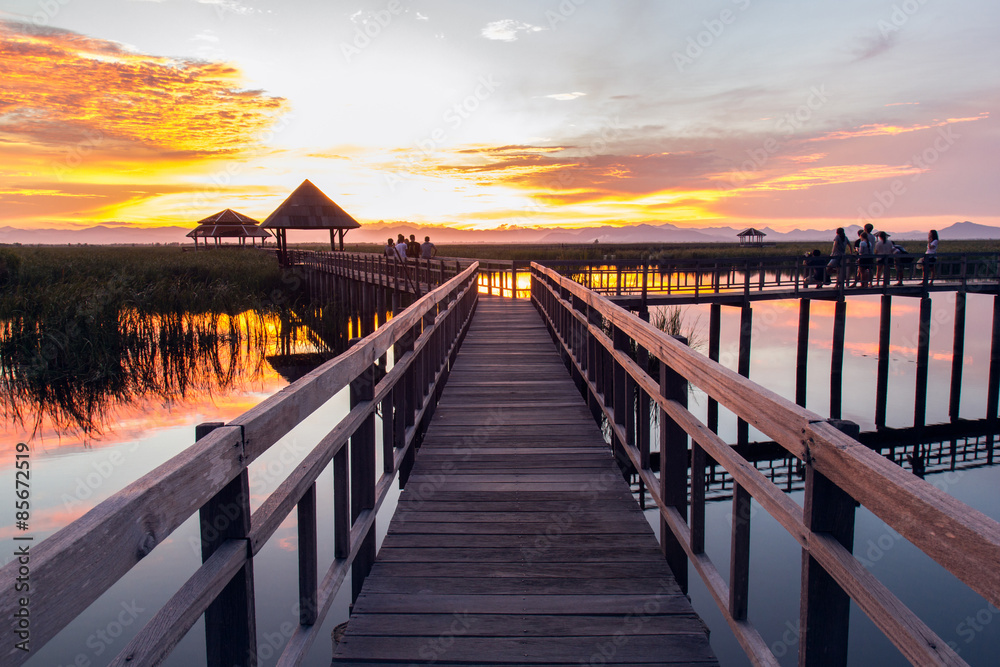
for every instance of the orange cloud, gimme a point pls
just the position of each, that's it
(63, 88)
(833, 174)
(880, 129)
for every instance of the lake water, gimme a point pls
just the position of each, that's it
(959, 616)
(73, 469)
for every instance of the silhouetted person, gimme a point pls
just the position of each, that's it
(838, 257)
(413, 248)
(816, 263)
(929, 259)
(883, 252)
(427, 249)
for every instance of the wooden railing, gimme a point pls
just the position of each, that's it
(414, 275)
(496, 276)
(752, 276)
(609, 350)
(76, 565)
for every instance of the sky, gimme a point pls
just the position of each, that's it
(485, 114)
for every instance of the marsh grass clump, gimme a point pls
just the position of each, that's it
(671, 320)
(83, 329)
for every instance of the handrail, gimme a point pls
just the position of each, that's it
(414, 271)
(76, 565)
(685, 277)
(839, 470)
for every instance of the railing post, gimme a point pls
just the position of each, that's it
(363, 477)
(923, 358)
(231, 619)
(882, 377)
(739, 554)
(958, 352)
(642, 419)
(825, 608)
(308, 557)
(802, 353)
(743, 364)
(673, 468)
(594, 371)
(623, 403)
(837, 357)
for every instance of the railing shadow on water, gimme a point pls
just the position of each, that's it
(75, 566)
(612, 367)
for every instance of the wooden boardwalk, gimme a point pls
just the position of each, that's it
(516, 540)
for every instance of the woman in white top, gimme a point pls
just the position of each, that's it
(929, 259)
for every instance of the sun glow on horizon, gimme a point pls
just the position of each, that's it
(439, 123)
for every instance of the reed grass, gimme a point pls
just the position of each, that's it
(145, 279)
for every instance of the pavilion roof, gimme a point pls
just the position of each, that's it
(750, 231)
(309, 208)
(229, 216)
(228, 231)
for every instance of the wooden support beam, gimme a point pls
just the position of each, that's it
(837, 359)
(714, 335)
(673, 469)
(308, 557)
(363, 477)
(802, 353)
(743, 365)
(923, 359)
(231, 619)
(957, 354)
(824, 616)
(882, 380)
(739, 554)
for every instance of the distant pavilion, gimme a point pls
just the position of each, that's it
(751, 238)
(229, 224)
(309, 208)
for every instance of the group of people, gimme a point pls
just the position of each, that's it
(402, 249)
(874, 251)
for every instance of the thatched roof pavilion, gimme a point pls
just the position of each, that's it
(751, 237)
(228, 224)
(309, 208)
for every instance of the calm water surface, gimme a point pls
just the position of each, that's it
(75, 468)
(959, 616)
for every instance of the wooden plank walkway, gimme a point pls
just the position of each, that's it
(516, 540)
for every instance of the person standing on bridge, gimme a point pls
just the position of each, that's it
(401, 248)
(390, 248)
(838, 256)
(865, 259)
(427, 249)
(883, 255)
(413, 248)
(929, 259)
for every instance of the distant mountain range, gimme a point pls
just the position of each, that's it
(118, 233)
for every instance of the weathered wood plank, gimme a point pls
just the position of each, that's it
(657, 649)
(499, 625)
(516, 510)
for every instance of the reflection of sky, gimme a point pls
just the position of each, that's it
(941, 601)
(200, 381)
(773, 355)
(68, 479)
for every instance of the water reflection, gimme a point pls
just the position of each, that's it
(76, 375)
